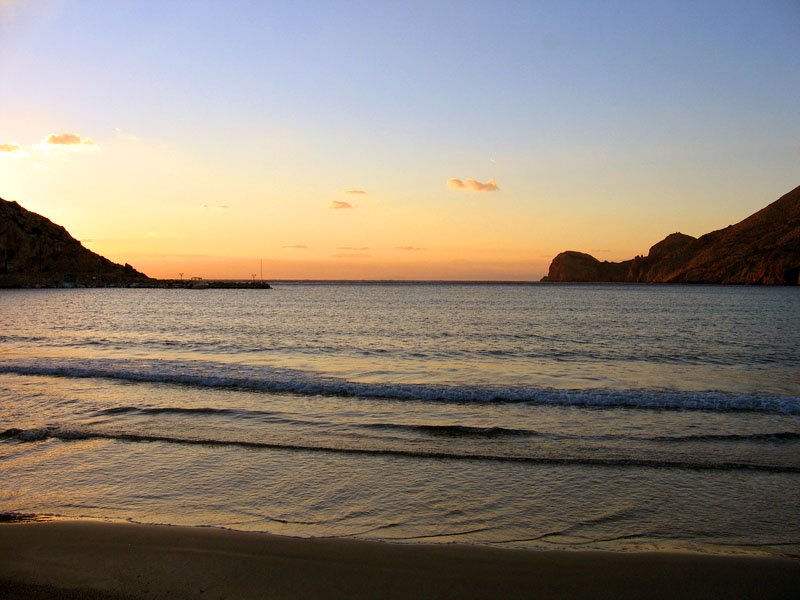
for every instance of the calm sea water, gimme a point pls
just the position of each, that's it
(546, 416)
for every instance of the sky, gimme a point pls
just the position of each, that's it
(394, 140)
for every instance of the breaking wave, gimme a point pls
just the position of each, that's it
(208, 374)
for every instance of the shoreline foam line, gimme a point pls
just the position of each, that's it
(108, 560)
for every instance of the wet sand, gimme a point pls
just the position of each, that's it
(78, 559)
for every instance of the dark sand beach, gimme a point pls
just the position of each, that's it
(78, 559)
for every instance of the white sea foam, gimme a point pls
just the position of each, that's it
(208, 374)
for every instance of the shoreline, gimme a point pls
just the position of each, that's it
(246, 284)
(92, 559)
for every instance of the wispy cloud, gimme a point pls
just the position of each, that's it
(409, 248)
(297, 246)
(351, 255)
(10, 148)
(69, 140)
(473, 185)
(219, 206)
(353, 248)
(355, 192)
(123, 135)
(337, 204)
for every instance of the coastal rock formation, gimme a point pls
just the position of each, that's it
(762, 249)
(582, 267)
(35, 252)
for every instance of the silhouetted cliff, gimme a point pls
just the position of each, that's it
(35, 252)
(762, 249)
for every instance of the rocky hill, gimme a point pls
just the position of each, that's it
(762, 249)
(35, 252)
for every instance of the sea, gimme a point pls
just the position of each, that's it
(542, 416)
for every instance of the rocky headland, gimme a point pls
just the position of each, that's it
(35, 252)
(763, 249)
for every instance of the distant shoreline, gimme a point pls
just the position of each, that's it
(244, 284)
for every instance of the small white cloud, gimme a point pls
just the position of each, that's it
(473, 185)
(409, 248)
(355, 192)
(338, 204)
(124, 136)
(72, 141)
(10, 148)
(455, 183)
(353, 248)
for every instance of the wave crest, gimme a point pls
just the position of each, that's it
(209, 374)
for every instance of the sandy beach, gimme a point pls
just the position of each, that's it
(78, 559)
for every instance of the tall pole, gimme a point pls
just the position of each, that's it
(262, 269)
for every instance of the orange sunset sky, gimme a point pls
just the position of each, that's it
(430, 140)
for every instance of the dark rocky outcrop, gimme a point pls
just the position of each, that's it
(762, 249)
(578, 266)
(35, 252)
